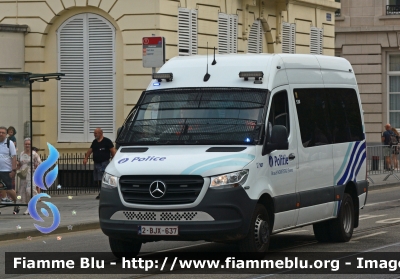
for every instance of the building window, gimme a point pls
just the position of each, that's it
(86, 94)
(187, 31)
(288, 37)
(316, 40)
(393, 7)
(255, 42)
(227, 33)
(394, 90)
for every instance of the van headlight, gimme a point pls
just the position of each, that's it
(229, 180)
(109, 181)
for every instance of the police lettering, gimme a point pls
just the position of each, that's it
(281, 160)
(148, 158)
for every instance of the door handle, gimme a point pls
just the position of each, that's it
(291, 156)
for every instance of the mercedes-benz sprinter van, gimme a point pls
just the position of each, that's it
(255, 145)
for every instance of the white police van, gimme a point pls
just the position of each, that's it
(258, 145)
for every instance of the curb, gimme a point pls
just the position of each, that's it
(62, 230)
(373, 187)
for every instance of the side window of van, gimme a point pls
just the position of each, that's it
(328, 116)
(279, 112)
(313, 114)
(345, 115)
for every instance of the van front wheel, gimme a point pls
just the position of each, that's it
(258, 238)
(341, 228)
(122, 248)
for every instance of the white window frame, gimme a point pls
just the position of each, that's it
(317, 38)
(230, 29)
(292, 36)
(87, 136)
(258, 39)
(389, 74)
(187, 40)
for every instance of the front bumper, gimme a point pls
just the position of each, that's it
(231, 210)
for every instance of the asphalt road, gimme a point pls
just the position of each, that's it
(378, 231)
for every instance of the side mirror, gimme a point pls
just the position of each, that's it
(278, 141)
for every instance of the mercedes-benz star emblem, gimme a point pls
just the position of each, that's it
(157, 189)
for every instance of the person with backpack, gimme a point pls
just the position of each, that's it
(389, 139)
(8, 168)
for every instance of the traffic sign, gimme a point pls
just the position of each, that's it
(153, 52)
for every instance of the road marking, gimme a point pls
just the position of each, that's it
(365, 236)
(372, 204)
(389, 221)
(367, 216)
(294, 232)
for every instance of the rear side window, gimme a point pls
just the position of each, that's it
(345, 115)
(313, 114)
(328, 116)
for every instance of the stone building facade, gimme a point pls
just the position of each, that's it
(98, 45)
(368, 35)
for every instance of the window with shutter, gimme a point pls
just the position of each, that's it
(227, 33)
(255, 42)
(187, 31)
(316, 43)
(288, 37)
(86, 93)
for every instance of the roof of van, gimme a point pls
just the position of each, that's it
(278, 69)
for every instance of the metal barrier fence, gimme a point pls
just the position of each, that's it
(383, 159)
(73, 176)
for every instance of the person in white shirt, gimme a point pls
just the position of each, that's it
(8, 166)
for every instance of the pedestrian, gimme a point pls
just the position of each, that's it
(103, 150)
(11, 132)
(8, 168)
(25, 165)
(387, 139)
(395, 151)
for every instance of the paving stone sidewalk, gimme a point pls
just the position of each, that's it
(21, 226)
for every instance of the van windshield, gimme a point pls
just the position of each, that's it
(197, 116)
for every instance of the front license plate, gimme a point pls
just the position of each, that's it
(158, 230)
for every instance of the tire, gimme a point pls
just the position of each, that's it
(322, 231)
(120, 248)
(341, 228)
(258, 237)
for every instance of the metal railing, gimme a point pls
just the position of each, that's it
(383, 159)
(73, 177)
(393, 9)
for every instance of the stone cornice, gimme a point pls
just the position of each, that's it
(367, 29)
(326, 4)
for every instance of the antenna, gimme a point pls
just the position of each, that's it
(214, 62)
(207, 75)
